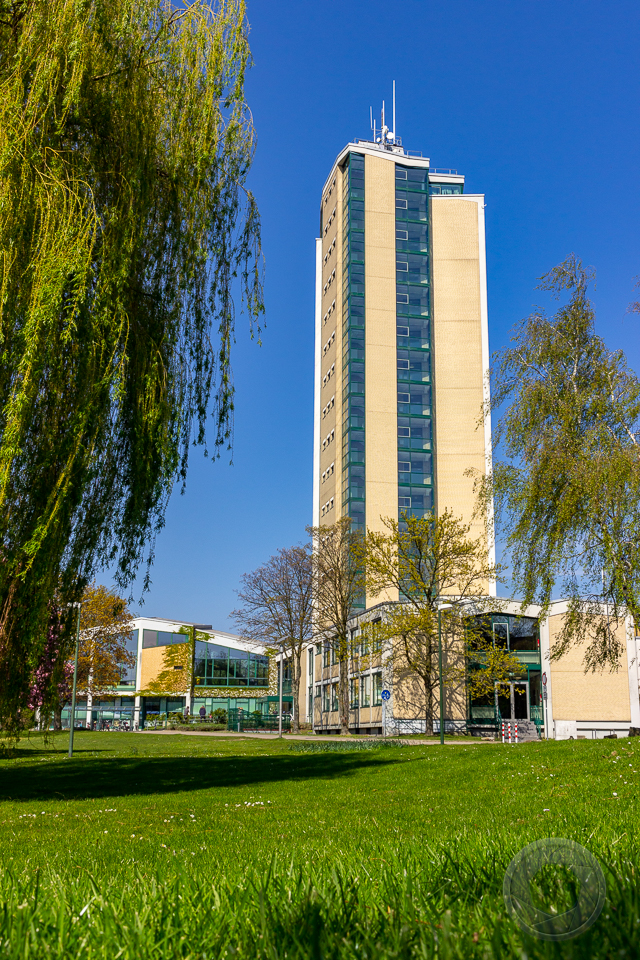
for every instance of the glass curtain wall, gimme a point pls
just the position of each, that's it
(413, 313)
(226, 667)
(353, 426)
(128, 673)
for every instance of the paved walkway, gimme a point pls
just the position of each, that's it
(318, 738)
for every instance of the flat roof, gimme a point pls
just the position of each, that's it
(393, 152)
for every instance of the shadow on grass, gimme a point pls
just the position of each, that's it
(133, 776)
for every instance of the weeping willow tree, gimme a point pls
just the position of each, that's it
(125, 226)
(567, 492)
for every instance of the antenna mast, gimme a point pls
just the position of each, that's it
(394, 110)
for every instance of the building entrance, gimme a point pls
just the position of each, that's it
(512, 700)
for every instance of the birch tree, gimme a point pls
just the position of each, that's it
(567, 490)
(427, 563)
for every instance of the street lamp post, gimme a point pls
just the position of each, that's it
(442, 606)
(280, 693)
(75, 681)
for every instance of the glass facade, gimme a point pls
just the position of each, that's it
(445, 189)
(128, 674)
(521, 697)
(160, 638)
(353, 425)
(413, 314)
(217, 666)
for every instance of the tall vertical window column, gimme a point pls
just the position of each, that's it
(353, 425)
(413, 316)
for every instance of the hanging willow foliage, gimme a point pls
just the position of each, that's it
(125, 144)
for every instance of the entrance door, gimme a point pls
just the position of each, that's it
(512, 700)
(520, 701)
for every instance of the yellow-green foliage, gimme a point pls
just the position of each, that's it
(125, 143)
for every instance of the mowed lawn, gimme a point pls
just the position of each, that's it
(158, 846)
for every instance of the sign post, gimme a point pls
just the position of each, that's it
(386, 696)
(544, 704)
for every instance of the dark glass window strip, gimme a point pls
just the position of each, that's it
(226, 667)
(413, 315)
(353, 425)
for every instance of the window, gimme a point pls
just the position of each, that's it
(325, 698)
(161, 638)
(334, 696)
(402, 265)
(326, 652)
(401, 173)
(311, 658)
(334, 656)
(353, 693)
(128, 674)
(377, 689)
(401, 204)
(365, 686)
(446, 189)
(402, 298)
(238, 668)
(402, 234)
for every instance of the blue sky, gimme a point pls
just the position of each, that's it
(535, 101)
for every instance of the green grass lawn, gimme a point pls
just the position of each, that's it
(147, 846)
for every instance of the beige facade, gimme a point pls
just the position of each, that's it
(597, 699)
(152, 663)
(329, 354)
(381, 383)
(459, 361)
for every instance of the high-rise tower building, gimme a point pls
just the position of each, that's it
(401, 348)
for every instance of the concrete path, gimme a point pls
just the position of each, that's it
(232, 735)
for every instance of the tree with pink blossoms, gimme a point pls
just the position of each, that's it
(52, 678)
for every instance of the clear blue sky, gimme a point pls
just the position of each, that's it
(535, 101)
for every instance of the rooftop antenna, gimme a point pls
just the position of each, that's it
(394, 110)
(373, 123)
(384, 133)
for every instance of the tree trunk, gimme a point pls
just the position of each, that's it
(57, 717)
(343, 696)
(428, 705)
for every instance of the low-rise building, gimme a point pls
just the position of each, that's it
(558, 696)
(170, 677)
